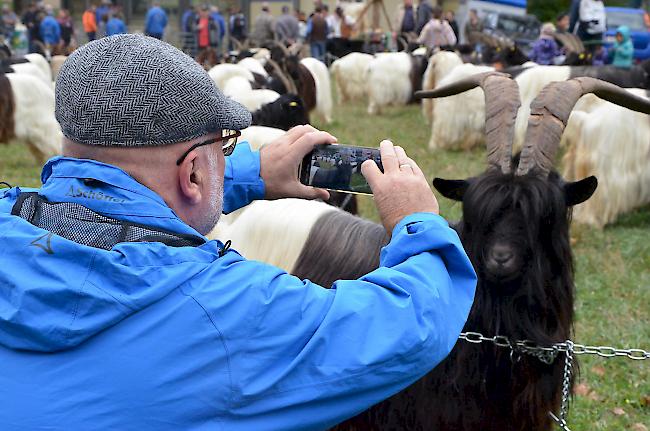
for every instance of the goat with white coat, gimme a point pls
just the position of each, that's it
(28, 115)
(240, 90)
(349, 74)
(392, 78)
(612, 143)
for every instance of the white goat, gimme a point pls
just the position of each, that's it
(323, 88)
(388, 81)
(349, 73)
(32, 70)
(221, 73)
(34, 122)
(39, 61)
(254, 65)
(459, 121)
(612, 143)
(289, 219)
(258, 136)
(440, 64)
(240, 90)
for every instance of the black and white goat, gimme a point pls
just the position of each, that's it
(284, 113)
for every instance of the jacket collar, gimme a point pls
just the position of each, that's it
(108, 190)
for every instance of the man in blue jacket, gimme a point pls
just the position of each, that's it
(50, 30)
(155, 21)
(117, 313)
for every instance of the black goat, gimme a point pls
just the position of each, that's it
(515, 229)
(284, 113)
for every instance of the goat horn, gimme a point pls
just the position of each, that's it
(283, 46)
(566, 42)
(549, 114)
(501, 105)
(286, 81)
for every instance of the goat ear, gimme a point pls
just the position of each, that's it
(579, 191)
(451, 189)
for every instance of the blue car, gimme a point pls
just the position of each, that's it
(633, 18)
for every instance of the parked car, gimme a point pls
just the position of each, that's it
(523, 29)
(634, 19)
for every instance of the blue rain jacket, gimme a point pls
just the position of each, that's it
(150, 337)
(50, 30)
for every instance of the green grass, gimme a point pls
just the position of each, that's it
(612, 266)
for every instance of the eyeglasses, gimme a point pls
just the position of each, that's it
(228, 141)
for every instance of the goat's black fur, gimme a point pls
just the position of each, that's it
(480, 386)
(284, 113)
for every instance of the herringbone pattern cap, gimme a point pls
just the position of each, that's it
(134, 90)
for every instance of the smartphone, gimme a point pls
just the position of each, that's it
(338, 167)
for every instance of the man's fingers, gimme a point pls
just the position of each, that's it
(402, 158)
(307, 192)
(416, 168)
(388, 156)
(296, 132)
(308, 141)
(370, 172)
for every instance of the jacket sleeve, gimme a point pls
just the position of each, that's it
(313, 357)
(242, 183)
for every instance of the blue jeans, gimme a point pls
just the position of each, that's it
(318, 50)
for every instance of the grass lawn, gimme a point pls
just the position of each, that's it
(612, 267)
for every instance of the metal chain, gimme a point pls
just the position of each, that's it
(548, 354)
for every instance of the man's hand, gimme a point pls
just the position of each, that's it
(401, 190)
(280, 161)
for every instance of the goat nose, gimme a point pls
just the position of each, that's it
(501, 254)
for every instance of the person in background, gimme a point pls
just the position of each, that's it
(50, 30)
(237, 26)
(622, 53)
(423, 16)
(599, 56)
(437, 32)
(155, 21)
(405, 22)
(450, 16)
(115, 25)
(286, 27)
(89, 21)
(67, 28)
(545, 49)
(31, 20)
(263, 30)
(207, 37)
(102, 15)
(221, 23)
(9, 20)
(188, 31)
(562, 22)
(317, 32)
(302, 25)
(473, 25)
(588, 21)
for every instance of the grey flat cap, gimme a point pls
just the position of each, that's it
(134, 90)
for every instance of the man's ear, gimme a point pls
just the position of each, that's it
(189, 178)
(451, 189)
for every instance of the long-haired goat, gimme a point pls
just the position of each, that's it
(349, 74)
(27, 115)
(392, 78)
(515, 230)
(612, 143)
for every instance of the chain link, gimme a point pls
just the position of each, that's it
(548, 354)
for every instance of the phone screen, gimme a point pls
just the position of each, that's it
(338, 167)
